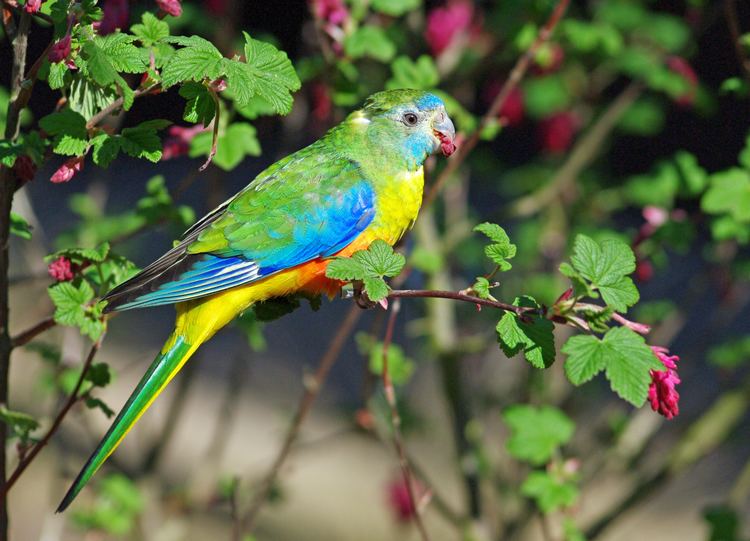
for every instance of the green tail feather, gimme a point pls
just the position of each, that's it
(164, 367)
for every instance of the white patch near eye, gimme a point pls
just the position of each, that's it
(361, 120)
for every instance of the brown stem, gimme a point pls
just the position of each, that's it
(112, 107)
(457, 296)
(24, 337)
(214, 133)
(398, 441)
(516, 74)
(7, 188)
(312, 388)
(69, 403)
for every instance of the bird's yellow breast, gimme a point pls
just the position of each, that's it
(397, 205)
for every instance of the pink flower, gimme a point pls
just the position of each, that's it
(67, 170)
(399, 501)
(682, 67)
(331, 11)
(60, 49)
(170, 7)
(177, 142)
(32, 6)
(60, 269)
(116, 15)
(24, 168)
(445, 23)
(661, 393)
(557, 131)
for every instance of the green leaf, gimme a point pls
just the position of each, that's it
(645, 117)
(266, 72)
(482, 288)
(235, 142)
(395, 8)
(421, 74)
(694, 177)
(142, 141)
(96, 403)
(606, 265)
(197, 60)
(624, 356)
(70, 146)
(536, 433)
(98, 374)
(371, 41)
(102, 65)
(380, 260)
(200, 106)
(121, 53)
(729, 193)
(723, 522)
(106, 148)
(65, 122)
(56, 77)
(19, 226)
(151, 29)
(535, 339)
(550, 494)
(544, 96)
(502, 249)
(732, 354)
(375, 287)
(22, 424)
(345, 268)
(70, 300)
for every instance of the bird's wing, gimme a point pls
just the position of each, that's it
(310, 205)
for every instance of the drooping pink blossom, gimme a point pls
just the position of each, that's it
(24, 168)
(116, 14)
(682, 67)
(60, 269)
(662, 394)
(32, 6)
(644, 270)
(67, 170)
(60, 49)
(557, 131)
(177, 142)
(170, 7)
(445, 23)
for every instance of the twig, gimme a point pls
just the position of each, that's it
(730, 12)
(583, 153)
(312, 388)
(398, 442)
(24, 337)
(7, 188)
(112, 107)
(458, 296)
(516, 74)
(215, 133)
(72, 399)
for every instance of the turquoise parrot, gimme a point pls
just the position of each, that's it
(360, 182)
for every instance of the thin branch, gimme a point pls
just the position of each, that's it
(112, 107)
(516, 74)
(458, 296)
(398, 442)
(69, 403)
(312, 388)
(24, 337)
(215, 133)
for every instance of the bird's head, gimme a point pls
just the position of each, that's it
(412, 123)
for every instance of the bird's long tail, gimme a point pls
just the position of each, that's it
(172, 358)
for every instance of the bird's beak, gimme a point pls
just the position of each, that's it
(443, 128)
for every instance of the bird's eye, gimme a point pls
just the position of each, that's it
(410, 119)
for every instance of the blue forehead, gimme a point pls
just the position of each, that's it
(429, 101)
